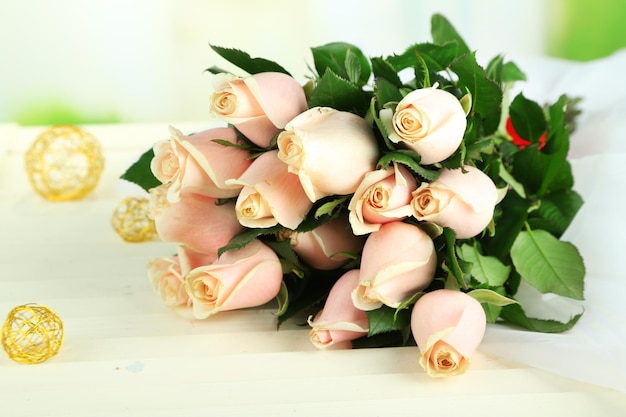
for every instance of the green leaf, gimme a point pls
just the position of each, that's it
(528, 118)
(411, 160)
(483, 295)
(340, 94)
(386, 92)
(515, 314)
(384, 70)
(495, 69)
(334, 56)
(242, 239)
(514, 211)
(244, 61)
(140, 173)
(452, 262)
(548, 264)
(492, 312)
(329, 207)
(283, 299)
(353, 67)
(556, 212)
(485, 269)
(437, 57)
(386, 319)
(443, 32)
(486, 94)
(511, 72)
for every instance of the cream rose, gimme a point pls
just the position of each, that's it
(167, 274)
(270, 195)
(398, 260)
(242, 278)
(195, 220)
(447, 326)
(339, 321)
(428, 120)
(461, 199)
(329, 150)
(198, 164)
(382, 197)
(324, 247)
(259, 106)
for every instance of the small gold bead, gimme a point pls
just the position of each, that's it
(32, 333)
(64, 163)
(132, 222)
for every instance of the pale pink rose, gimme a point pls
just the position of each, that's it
(167, 275)
(339, 321)
(330, 150)
(199, 165)
(260, 105)
(398, 260)
(326, 246)
(382, 197)
(196, 221)
(462, 201)
(428, 120)
(270, 194)
(240, 278)
(448, 326)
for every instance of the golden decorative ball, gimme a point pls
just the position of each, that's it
(32, 333)
(132, 222)
(64, 163)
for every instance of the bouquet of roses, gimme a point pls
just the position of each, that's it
(388, 200)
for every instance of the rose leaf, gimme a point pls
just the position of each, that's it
(514, 313)
(244, 61)
(140, 173)
(549, 264)
(485, 269)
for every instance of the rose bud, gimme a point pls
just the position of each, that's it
(196, 221)
(339, 321)
(448, 326)
(462, 201)
(324, 247)
(199, 165)
(259, 106)
(270, 194)
(166, 275)
(398, 260)
(429, 121)
(330, 150)
(382, 197)
(242, 278)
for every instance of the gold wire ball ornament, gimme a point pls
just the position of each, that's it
(32, 333)
(64, 163)
(132, 221)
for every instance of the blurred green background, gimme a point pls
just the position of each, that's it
(586, 29)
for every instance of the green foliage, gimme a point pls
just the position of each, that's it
(140, 173)
(244, 61)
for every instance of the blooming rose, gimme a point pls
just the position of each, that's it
(339, 321)
(259, 106)
(271, 194)
(448, 326)
(166, 275)
(241, 278)
(461, 199)
(428, 120)
(398, 260)
(322, 247)
(330, 150)
(199, 165)
(196, 221)
(382, 197)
